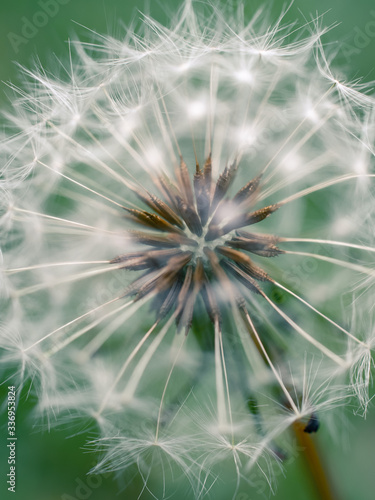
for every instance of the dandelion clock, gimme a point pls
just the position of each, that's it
(187, 250)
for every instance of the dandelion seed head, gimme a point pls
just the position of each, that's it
(186, 210)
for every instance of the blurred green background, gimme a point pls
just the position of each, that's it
(53, 466)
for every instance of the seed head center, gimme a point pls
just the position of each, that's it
(202, 244)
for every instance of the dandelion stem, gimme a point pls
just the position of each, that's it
(314, 463)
